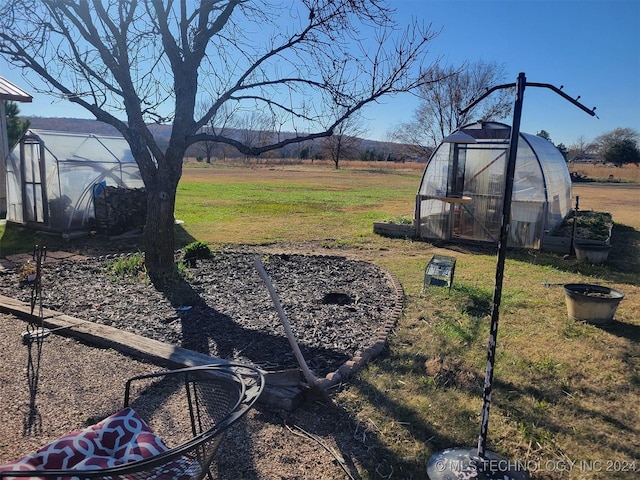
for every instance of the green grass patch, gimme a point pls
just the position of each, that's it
(17, 240)
(300, 206)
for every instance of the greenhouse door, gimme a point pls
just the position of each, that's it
(480, 218)
(34, 195)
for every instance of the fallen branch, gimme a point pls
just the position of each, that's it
(308, 374)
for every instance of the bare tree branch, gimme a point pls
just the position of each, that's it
(445, 91)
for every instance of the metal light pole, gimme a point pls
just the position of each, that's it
(502, 254)
(464, 462)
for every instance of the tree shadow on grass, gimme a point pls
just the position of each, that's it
(622, 330)
(526, 405)
(182, 236)
(625, 252)
(622, 264)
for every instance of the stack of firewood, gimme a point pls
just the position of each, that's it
(120, 210)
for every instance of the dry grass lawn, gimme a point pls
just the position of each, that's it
(566, 393)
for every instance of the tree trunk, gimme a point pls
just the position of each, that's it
(159, 233)
(338, 151)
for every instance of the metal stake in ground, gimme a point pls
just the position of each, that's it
(35, 329)
(575, 226)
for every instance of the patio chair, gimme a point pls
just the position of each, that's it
(124, 446)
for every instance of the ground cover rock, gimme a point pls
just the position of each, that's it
(221, 307)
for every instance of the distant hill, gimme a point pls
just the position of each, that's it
(85, 125)
(382, 150)
(73, 125)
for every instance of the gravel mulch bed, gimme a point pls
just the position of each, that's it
(337, 306)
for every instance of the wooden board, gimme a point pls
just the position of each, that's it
(283, 389)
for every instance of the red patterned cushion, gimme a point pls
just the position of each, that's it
(121, 438)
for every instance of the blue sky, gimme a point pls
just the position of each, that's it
(592, 47)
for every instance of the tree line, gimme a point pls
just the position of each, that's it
(618, 147)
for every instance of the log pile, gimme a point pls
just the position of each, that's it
(119, 210)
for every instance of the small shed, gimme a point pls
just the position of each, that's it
(62, 182)
(462, 188)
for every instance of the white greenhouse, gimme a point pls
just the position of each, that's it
(461, 193)
(63, 182)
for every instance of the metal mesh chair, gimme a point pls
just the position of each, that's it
(200, 403)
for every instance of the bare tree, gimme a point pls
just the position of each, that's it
(132, 62)
(580, 150)
(206, 149)
(414, 136)
(255, 129)
(223, 123)
(604, 141)
(345, 139)
(445, 91)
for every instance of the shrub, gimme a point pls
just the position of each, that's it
(196, 250)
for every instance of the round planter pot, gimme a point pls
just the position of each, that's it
(591, 303)
(592, 253)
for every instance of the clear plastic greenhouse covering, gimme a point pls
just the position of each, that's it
(473, 212)
(53, 177)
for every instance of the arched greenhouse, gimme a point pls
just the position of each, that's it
(461, 193)
(64, 182)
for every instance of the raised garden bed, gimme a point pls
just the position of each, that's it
(394, 230)
(592, 228)
(399, 227)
